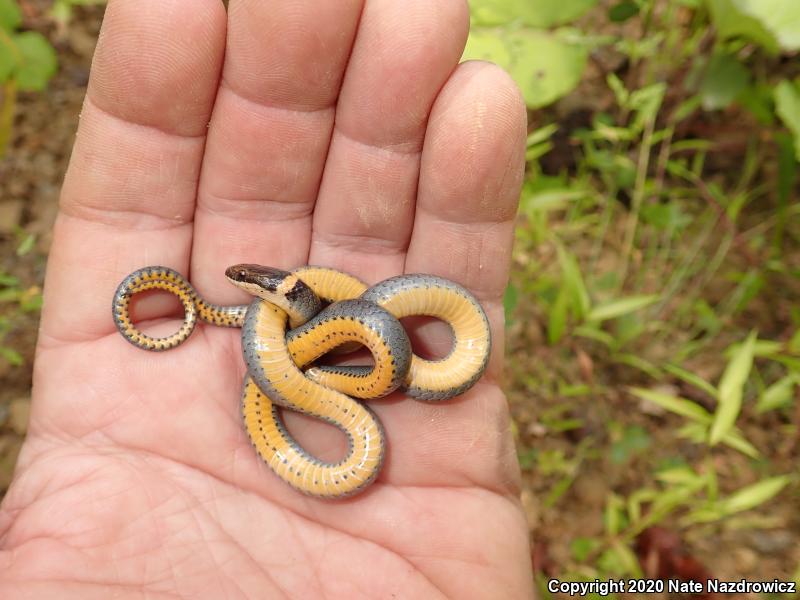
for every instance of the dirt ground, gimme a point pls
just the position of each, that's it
(30, 178)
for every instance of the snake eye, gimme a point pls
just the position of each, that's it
(242, 273)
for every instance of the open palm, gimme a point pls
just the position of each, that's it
(283, 133)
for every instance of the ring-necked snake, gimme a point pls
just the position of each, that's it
(275, 356)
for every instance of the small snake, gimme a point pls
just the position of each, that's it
(357, 315)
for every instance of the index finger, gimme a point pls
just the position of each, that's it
(129, 193)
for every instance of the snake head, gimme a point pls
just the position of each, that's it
(257, 278)
(281, 288)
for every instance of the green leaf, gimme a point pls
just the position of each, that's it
(731, 387)
(787, 105)
(614, 514)
(733, 23)
(691, 379)
(7, 280)
(780, 17)
(634, 440)
(544, 66)
(735, 440)
(754, 495)
(26, 245)
(617, 308)
(778, 395)
(679, 406)
(725, 78)
(573, 282)
(510, 298)
(8, 58)
(591, 332)
(681, 475)
(637, 362)
(487, 45)
(537, 13)
(12, 356)
(10, 15)
(794, 342)
(582, 547)
(549, 200)
(557, 319)
(38, 61)
(622, 11)
(541, 135)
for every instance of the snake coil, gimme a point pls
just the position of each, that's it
(288, 326)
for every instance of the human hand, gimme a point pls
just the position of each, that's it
(340, 135)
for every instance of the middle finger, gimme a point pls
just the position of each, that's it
(402, 56)
(269, 135)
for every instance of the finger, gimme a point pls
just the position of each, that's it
(402, 56)
(128, 196)
(471, 173)
(269, 135)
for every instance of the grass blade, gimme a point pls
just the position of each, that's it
(731, 386)
(618, 308)
(691, 379)
(754, 495)
(778, 395)
(675, 404)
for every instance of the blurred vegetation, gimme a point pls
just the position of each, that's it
(653, 311)
(657, 258)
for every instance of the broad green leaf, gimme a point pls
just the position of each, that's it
(778, 395)
(10, 16)
(38, 61)
(787, 105)
(8, 58)
(537, 13)
(617, 308)
(731, 388)
(725, 78)
(754, 495)
(780, 17)
(691, 379)
(732, 22)
(544, 66)
(675, 404)
(622, 11)
(488, 44)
